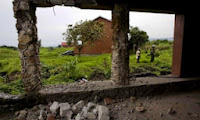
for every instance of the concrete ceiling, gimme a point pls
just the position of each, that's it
(140, 5)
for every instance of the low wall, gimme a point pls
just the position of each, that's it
(14, 103)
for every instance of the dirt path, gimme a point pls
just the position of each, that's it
(176, 106)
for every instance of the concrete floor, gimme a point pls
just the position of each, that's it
(185, 104)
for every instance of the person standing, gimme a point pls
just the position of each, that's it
(138, 55)
(152, 53)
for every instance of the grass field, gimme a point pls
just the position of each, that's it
(59, 69)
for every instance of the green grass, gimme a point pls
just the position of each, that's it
(14, 87)
(59, 69)
(9, 61)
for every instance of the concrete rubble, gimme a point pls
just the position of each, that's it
(65, 111)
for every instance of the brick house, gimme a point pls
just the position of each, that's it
(102, 45)
(64, 44)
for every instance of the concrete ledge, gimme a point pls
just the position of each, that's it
(141, 87)
(74, 92)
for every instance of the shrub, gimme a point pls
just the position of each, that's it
(9, 47)
(45, 73)
(14, 87)
(57, 79)
(68, 72)
(106, 65)
(70, 69)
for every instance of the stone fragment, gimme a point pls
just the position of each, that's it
(139, 104)
(132, 98)
(96, 99)
(50, 117)
(68, 115)
(22, 115)
(42, 107)
(78, 117)
(54, 107)
(17, 113)
(91, 105)
(140, 109)
(84, 112)
(95, 111)
(171, 111)
(65, 110)
(108, 101)
(103, 112)
(124, 105)
(91, 116)
(24, 39)
(42, 115)
(23, 5)
(78, 106)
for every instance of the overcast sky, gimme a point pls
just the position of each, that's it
(51, 27)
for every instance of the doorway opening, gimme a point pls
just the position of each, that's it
(60, 68)
(153, 36)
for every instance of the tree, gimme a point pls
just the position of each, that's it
(82, 33)
(138, 38)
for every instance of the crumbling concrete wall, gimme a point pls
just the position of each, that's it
(120, 52)
(24, 12)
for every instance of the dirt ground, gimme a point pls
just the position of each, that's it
(174, 106)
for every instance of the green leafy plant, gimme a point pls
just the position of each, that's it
(70, 69)
(82, 33)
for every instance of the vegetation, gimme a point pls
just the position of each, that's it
(59, 69)
(138, 38)
(83, 32)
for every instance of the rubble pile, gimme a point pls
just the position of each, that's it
(65, 111)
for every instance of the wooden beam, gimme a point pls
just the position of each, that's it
(178, 45)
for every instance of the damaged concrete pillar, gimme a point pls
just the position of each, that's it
(120, 51)
(28, 45)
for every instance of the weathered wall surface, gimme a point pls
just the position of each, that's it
(120, 50)
(24, 12)
(102, 45)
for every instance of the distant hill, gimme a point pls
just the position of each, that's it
(170, 39)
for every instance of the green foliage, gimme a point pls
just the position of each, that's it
(14, 87)
(138, 38)
(59, 69)
(163, 58)
(85, 31)
(70, 69)
(9, 61)
(68, 72)
(159, 44)
(106, 67)
(45, 73)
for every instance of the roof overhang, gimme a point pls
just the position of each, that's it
(144, 6)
